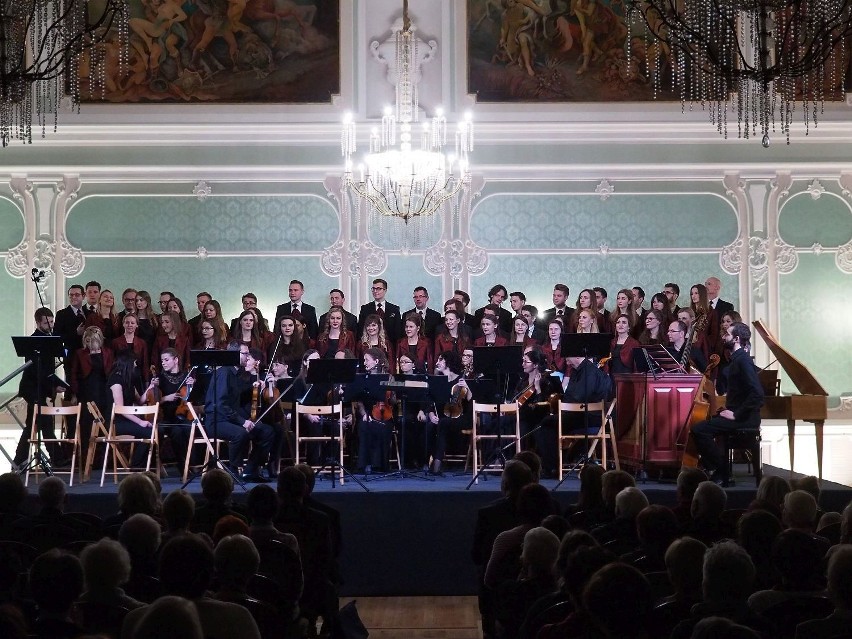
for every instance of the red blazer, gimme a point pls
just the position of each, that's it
(81, 366)
(444, 342)
(626, 355)
(423, 361)
(109, 327)
(360, 347)
(347, 340)
(161, 343)
(140, 350)
(500, 341)
(555, 361)
(527, 341)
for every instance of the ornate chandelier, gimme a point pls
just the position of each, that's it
(44, 45)
(750, 59)
(397, 180)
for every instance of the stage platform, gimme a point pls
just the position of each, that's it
(410, 537)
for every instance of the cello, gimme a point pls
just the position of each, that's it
(700, 411)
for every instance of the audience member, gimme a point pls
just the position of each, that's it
(684, 565)
(178, 513)
(620, 534)
(838, 623)
(141, 536)
(656, 529)
(227, 526)
(169, 618)
(799, 511)
(106, 567)
(333, 518)
(770, 494)
(56, 581)
(217, 487)
(136, 494)
(612, 483)
(687, 482)
(706, 523)
(627, 620)
(588, 512)
(756, 533)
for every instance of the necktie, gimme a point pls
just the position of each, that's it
(296, 312)
(380, 310)
(559, 312)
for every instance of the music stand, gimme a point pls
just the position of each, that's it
(35, 348)
(215, 359)
(594, 345)
(501, 362)
(334, 372)
(418, 391)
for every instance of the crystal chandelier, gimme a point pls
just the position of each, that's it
(44, 44)
(397, 180)
(754, 60)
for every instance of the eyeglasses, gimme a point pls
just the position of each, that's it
(206, 328)
(378, 288)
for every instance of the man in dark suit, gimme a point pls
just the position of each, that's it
(530, 312)
(387, 311)
(496, 296)
(672, 292)
(560, 308)
(305, 313)
(720, 306)
(337, 298)
(430, 319)
(93, 294)
(468, 319)
(491, 520)
(195, 323)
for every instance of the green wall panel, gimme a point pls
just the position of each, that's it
(804, 221)
(820, 336)
(227, 223)
(11, 290)
(585, 221)
(535, 275)
(11, 224)
(403, 273)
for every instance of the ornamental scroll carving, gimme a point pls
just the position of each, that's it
(365, 257)
(843, 257)
(72, 261)
(332, 259)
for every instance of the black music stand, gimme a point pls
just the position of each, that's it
(586, 345)
(415, 390)
(215, 359)
(337, 373)
(35, 348)
(500, 362)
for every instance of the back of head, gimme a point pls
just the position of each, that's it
(236, 560)
(772, 490)
(722, 628)
(798, 557)
(557, 524)
(800, 510)
(539, 550)
(629, 502)
(757, 530)
(840, 577)
(570, 543)
(137, 494)
(217, 486)
(310, 476)
(608, 585)
(186, 566)
(516, 475)
(291, 486)
(532, 460)
(685, 565)
(56, 581)
(728, 573)
(809, 484)
(709, 501)
(612, 483)
(656, 526)
(106, 565)
(262, 503)
(140, 535)
(687, 481)
(12, 492)
(169, 617)
(178, 510)
(591, 484)
(52, 492)
(229, 525)
(533, 504)
(580, 565)
(846, 525)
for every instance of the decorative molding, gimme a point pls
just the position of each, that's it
(604, 249)
(477, 258)
(331, 261)
(731, 258)
(843, 257)
(385, 52)
(17, 260)
(781, 185)
(435, 258)
(201, 253)
(817, 249)
(815, 189)
(72, 261)
(786, 257)
(605, 190)
(366, 258)
(202, 190)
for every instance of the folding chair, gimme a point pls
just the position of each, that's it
(113, 441)
(56, 411)
(603, 435)
(322, 412)
(198, 435)
(98, 436)
(510, 409)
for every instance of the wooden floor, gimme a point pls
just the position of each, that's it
(419, 617)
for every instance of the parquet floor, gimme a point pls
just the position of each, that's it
(419, 617)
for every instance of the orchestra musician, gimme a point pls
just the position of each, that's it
(228, 417)
(448, 426)
(534, 392)
(621, 347)
(130, 341)
(415, 345)
(417, 450)
(677, 337)
(588, 383)
(125, 384)
(742, 405)
(335, 335)
(374, 336)
(455, 336)
(489, 337)
(727, 320)
(171, 378)
(374, 424)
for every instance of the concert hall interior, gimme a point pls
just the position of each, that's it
(571, 183)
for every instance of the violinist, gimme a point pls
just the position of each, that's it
(125, 384)
(172, 335)
(621, 347)
(375, 413)
(454, 337)
(533, 393)
(416, 346)
(227, 417)
(335, 334)
(455, 416)
(171, 381)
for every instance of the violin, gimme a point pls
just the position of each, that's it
(183, 394)
(524, 396)
(255, 397)
(458, 394)
(383, 410)
(153, 394)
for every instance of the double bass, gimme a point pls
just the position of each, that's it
(702, 409)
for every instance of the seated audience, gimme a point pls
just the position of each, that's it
(627, 620)
(706, 523)
(169, 618)
(837, 624)
(56, 581)
(684, 564)
(217, 487)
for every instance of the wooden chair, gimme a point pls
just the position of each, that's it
(336, 412)
(467, 456)
(511, 409)
(603, 435)
(100, 431)
(113, 441)
(56, 411)
(198, 435)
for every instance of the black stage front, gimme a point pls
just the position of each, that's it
(413, 537)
